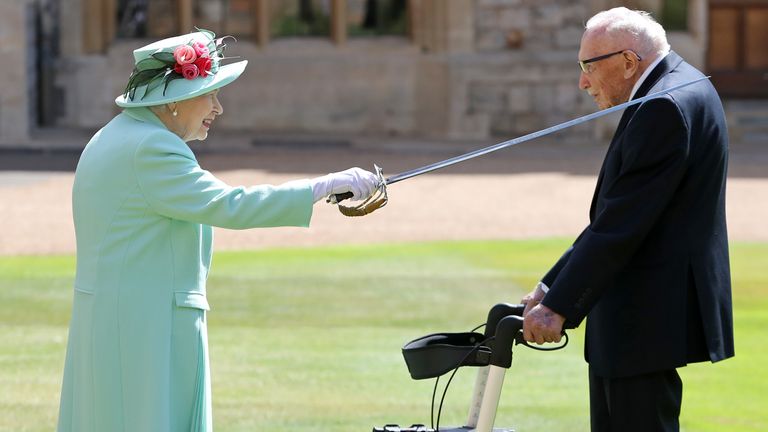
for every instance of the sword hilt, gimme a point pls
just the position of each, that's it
(337, 198)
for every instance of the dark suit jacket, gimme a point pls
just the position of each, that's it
(652, 270)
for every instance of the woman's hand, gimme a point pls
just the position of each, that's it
(360, 182)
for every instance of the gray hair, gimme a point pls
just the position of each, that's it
(649, 37)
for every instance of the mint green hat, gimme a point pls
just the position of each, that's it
(178, 68)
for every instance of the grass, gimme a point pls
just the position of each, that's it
(309, 339)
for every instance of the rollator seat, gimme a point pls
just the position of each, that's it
(436, 354)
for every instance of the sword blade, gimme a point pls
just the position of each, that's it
(531, 136)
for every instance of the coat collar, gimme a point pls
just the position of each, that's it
(670, 62)
(144, 114)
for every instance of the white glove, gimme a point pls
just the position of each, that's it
(360, 182)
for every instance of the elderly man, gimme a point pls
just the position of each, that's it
(651, 270)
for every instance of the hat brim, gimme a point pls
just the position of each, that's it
(182, 89)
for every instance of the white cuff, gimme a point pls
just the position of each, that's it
(321, 187)
(543, 287)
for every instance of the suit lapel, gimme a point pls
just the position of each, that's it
(667, 64)
(628, 113)
(670, 62)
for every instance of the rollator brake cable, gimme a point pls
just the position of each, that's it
(518, 341)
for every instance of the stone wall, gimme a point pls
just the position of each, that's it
(478, 69)
(529, 25)
(15, 52)
(475, 69)
(293, 86)
(312, 86)
(523, 76)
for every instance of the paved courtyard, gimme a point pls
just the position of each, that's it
(537, 189)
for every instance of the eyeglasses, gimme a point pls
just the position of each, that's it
(584, 63)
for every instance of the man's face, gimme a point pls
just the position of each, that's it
(605, 79)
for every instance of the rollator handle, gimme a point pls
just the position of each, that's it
(505, 322)
(508, 332)
(498, 312)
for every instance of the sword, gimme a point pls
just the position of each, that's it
(519, 140)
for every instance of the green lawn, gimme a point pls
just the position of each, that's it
(309, 339)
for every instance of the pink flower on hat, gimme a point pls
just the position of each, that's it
(204, 65)
(184, 54)
(200, 49)
(190, 71)
(194, 59)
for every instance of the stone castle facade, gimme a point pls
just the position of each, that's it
(465, 69)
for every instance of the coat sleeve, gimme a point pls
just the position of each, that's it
(175, 186)
(653, 161)
(549, 278)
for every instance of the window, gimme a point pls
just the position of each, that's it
(259, 20)
(674, 15)
(146, 18)
(376, 17)
(132, 18)
(338, 19)
(300, 18)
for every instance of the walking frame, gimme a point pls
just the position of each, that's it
(436, 354)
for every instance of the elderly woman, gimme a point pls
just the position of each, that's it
(137, 356)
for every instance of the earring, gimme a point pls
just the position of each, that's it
(175, 113)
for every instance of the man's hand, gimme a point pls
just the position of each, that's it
(541, 324)
(534, 297)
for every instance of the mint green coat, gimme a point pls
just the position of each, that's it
(137, 354)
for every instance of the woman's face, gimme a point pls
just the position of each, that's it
(195, 116)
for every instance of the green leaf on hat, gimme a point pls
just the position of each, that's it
(165, 57)
(138, 79)
(211, 35)
(170, 77)
(154, 83)
(150, 63)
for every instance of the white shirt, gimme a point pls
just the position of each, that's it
(646, 73)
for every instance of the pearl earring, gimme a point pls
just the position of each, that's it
(175, 113)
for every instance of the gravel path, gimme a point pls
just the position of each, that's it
(541, 189)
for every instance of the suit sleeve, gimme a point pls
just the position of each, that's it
(549, 278)
(653, 161)
(175, 186)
